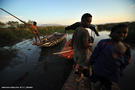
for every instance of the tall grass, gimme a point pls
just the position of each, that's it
(9, 36)
(51, 29)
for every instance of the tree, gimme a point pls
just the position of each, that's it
(13, 23)
(30, 22)
(1, 23)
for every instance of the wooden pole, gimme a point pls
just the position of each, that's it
(63, 52)
(12, 15)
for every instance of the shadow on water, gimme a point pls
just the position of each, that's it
(36, 67)
(45, 52)
(6, 56)
(39, 68)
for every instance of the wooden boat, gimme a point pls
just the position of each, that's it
(67, 52)
(52, 40)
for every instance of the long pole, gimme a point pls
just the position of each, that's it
(12, 15)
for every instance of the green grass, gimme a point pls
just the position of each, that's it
(9, 36)
(51, 29)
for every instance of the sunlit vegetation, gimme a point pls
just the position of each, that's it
(12, 32)
(51, 29)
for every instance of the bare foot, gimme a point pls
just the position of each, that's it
(78, 79)
(34, 43)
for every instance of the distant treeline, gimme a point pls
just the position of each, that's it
(101, 27)
(131, 27)
(13, 32)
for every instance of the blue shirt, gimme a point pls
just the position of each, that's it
(103, 62)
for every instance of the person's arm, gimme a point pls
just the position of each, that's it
(127, 56)
(85, 36)
(86, 43)
(92, 27)
(96, 52)
(25, 23)
(73, 38)
(73, 26)
(124, 59)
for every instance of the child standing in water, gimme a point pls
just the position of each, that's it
(109, 59)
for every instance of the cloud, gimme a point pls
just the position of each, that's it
(132, 6)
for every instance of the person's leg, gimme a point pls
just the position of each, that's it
(76, 66)
(107, 85)
(96, 85)
(38, 37)
(115, 86)
(82, 64)
(35, 38)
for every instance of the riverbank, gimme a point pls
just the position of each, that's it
(10, 36)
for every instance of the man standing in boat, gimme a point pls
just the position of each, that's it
(34, 27)
(35, 31)
(82, 44)
(77, 24)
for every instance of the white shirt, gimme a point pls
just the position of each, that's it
(89, 31)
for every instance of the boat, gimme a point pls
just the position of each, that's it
(67, 52)
(51, 40)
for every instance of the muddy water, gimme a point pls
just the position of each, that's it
(35, 67)
(39, 69)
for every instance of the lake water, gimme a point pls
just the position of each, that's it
(37, 68)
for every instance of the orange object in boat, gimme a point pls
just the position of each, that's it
(68, 55)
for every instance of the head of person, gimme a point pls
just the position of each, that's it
(34, 23)
(86, 20)
(119, 32)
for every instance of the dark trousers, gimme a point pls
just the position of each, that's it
(99, 83)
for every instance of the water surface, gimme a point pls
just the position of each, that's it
(39, 68)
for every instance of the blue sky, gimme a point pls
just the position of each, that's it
(68, 11)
